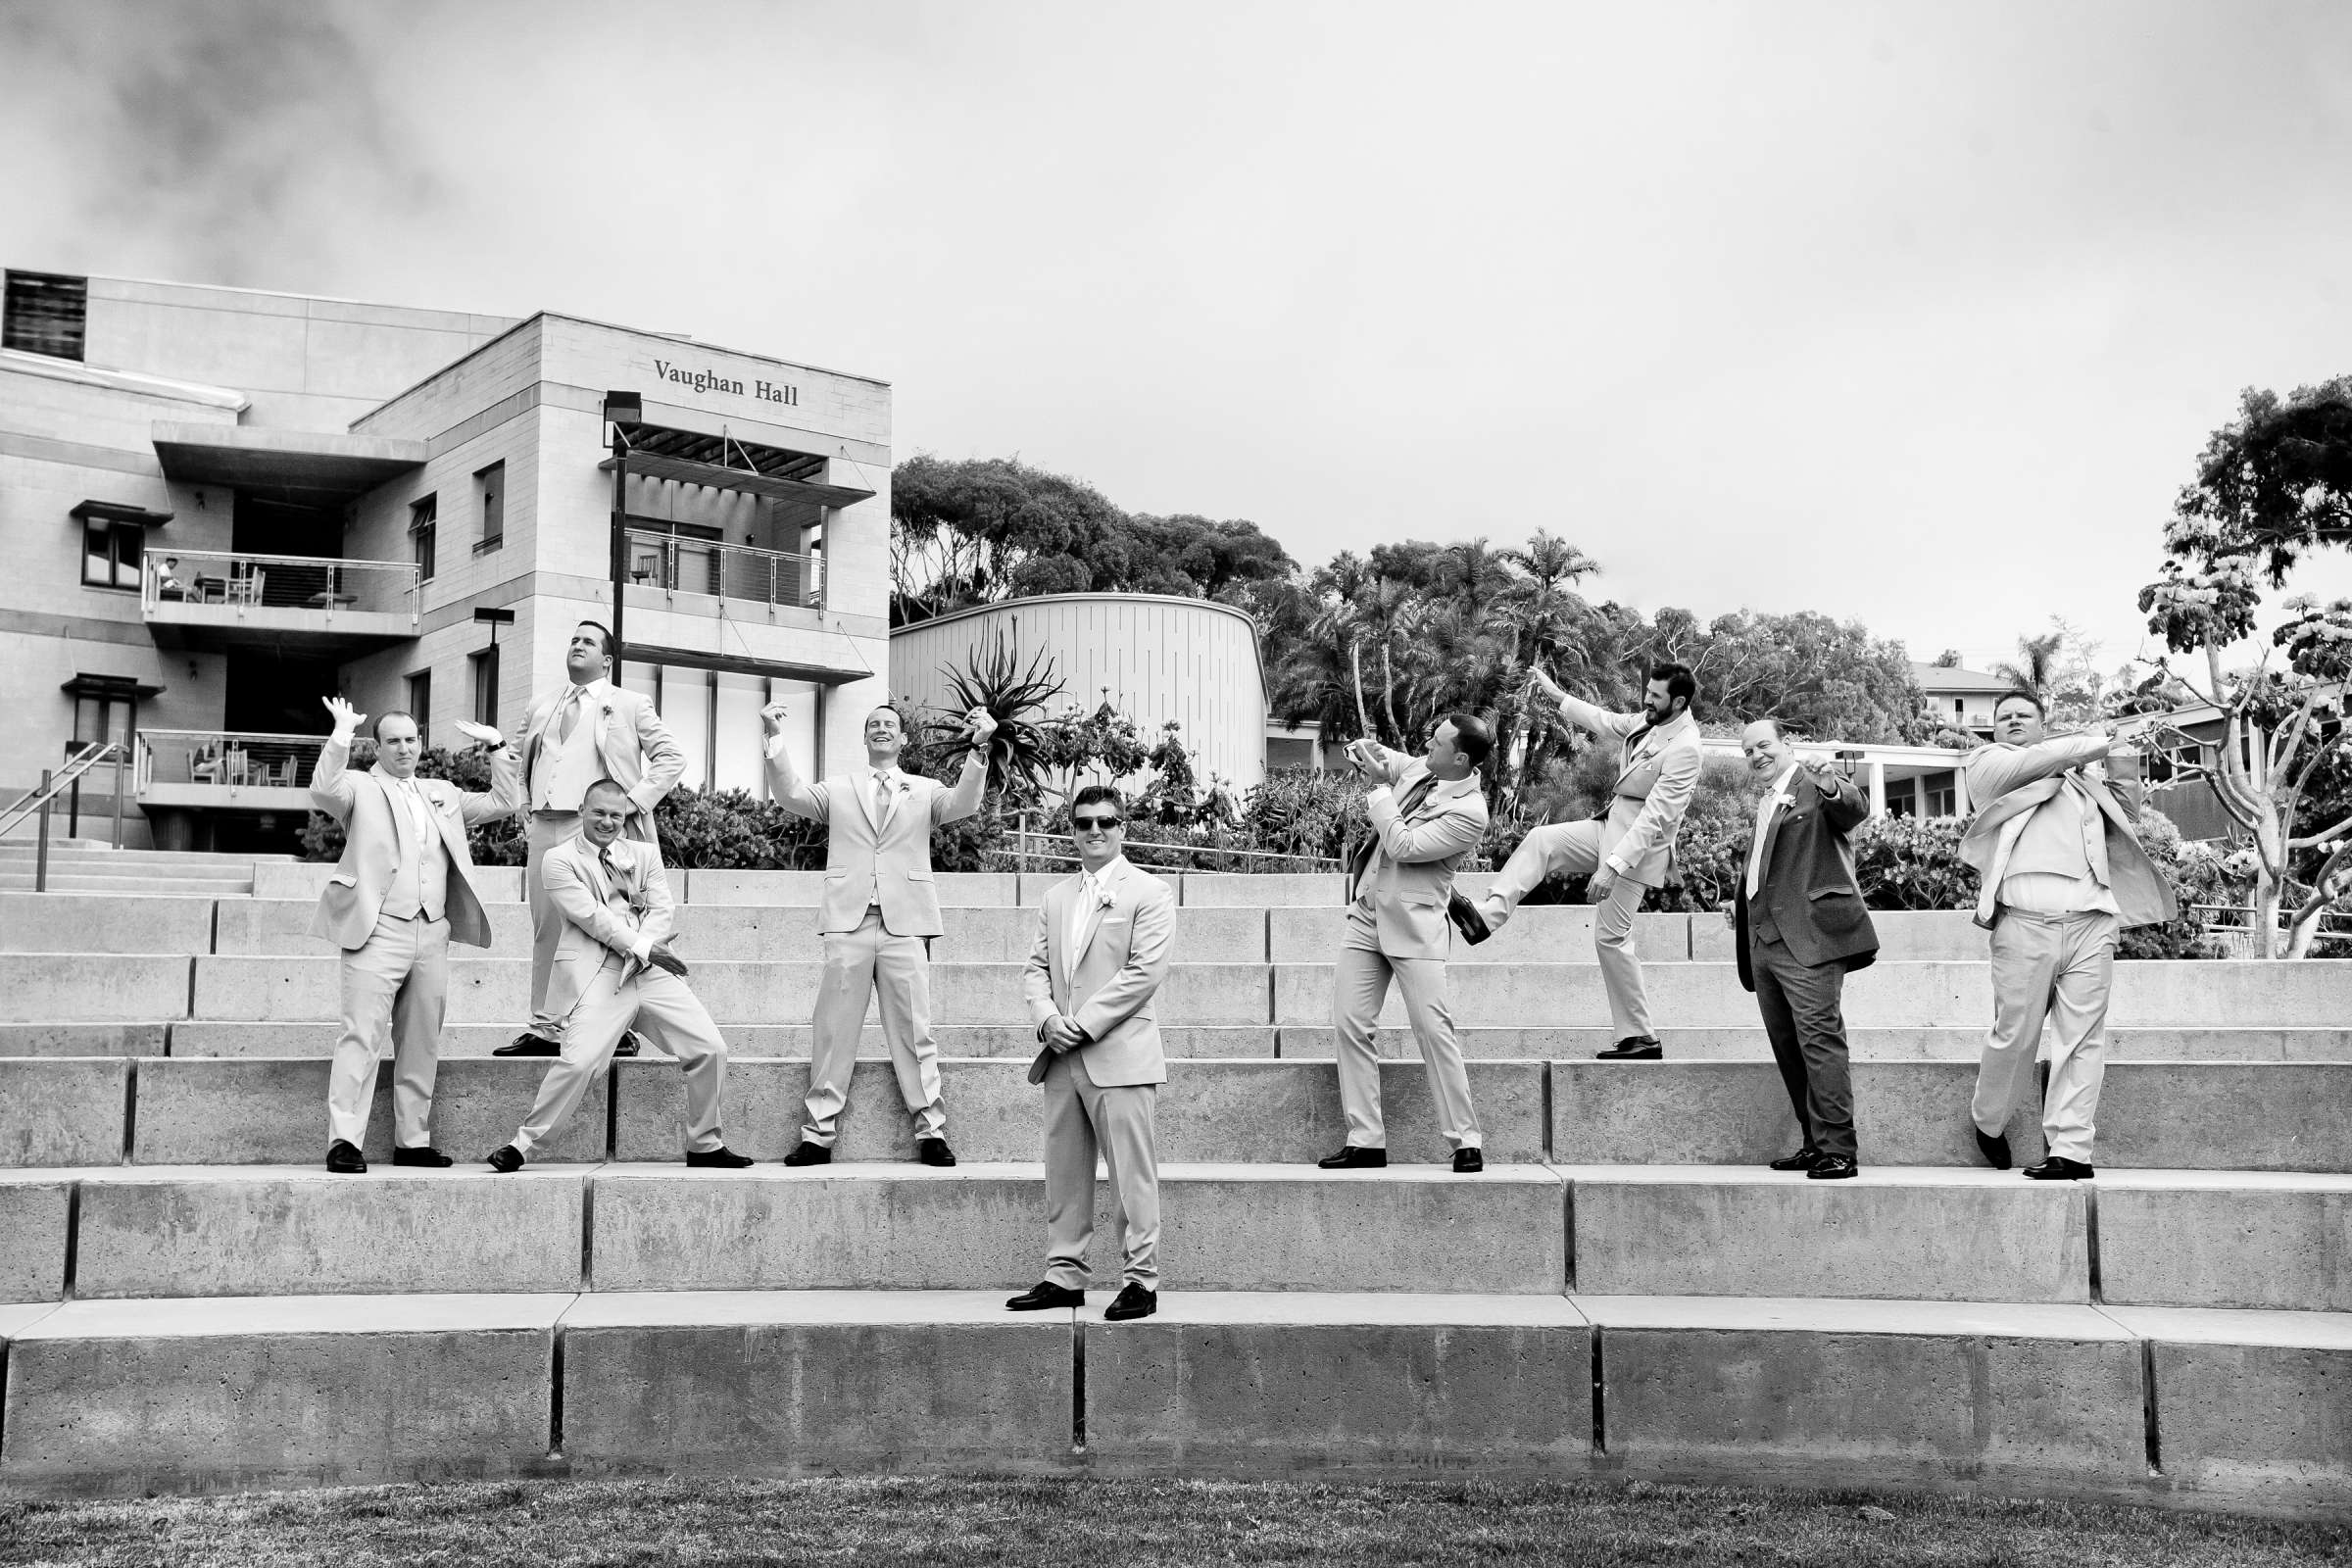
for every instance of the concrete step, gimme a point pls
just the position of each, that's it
(746, 1041)
(164, 886)
(231, 1230)
(85, 1039)
(1865, 1043)
(97, 852)
(2194, 1115)
(106, 922)
(241, 1110)
(2244, 1411)
(1898, 994)
(50, 989)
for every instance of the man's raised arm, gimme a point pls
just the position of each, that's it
(1994, 770)
(784, 780)
(331, 787)
(972, 785)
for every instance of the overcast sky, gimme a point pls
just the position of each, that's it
(1916, 315)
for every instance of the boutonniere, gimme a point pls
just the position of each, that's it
(1105, 898)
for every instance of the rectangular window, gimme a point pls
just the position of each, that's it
(423, 530)
(491, 485)
(1942, 797)
(110, 553)
(485, 686)
(45, 313)
(420, 704)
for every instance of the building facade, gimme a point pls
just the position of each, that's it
(224, 505)
(1155, 658)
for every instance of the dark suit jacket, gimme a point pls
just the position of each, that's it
(1809, 898)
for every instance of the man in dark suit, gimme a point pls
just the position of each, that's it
(1801, 926)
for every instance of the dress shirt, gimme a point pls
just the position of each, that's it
(420, 882)
(2059, 893)
(568, 764)
(1774, 799)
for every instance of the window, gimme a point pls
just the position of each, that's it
(420, 704)
(1941, 796)
(45, 314)
(111, 552)
(491, 484)
(422, 527)
(485, 686)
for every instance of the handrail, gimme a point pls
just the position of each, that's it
(31, 801)
(229, 756)
(242, 581)
(725, 570)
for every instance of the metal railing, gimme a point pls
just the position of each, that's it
(1153, 853)
(681, 563)
(65, 781)
(245, 582)
(227, 759)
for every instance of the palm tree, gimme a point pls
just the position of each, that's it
(2035, 664)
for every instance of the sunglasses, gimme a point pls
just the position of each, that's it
(1082, 823)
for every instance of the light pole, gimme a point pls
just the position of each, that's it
(624, 412)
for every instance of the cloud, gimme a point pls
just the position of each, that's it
(223, 139)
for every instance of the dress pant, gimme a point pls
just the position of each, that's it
(2060, 967)
(859, 964)
(673, 1019)
(1573, 848)
(1081, 1119)
(547, 829)
(395, 989)
(1805, 1022)
(1360, 988)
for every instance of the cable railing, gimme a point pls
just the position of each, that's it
(682, 564)
(1156, 854)
(243, 582)
(228, 758)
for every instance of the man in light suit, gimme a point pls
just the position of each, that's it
(1102, 951)
(617, 915)
(402, 890)
(1427, 815)
(1627, 850)
(1801, 926)
(2062, 875)
(880, 911)
(574, 735)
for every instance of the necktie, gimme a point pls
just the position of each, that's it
(881, 800)
(571, 717)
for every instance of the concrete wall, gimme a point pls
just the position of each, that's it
(1154, 657)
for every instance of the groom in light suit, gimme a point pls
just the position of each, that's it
(403, 892)
(1427, 814)
(618, 914)
(1101, 952)
(1627, 850)
(880, 912)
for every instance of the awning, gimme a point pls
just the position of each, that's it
(743, 665)
(294, 464)
(722, 463)
(116, 512)
(684, 471)
(110, 688)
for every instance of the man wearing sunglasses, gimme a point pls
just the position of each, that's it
(1428, 813)
(1102, 951)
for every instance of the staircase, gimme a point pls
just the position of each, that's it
(89, 865)
(1626, 1290)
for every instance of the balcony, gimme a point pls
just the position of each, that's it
(681, 564)
(217, 601)
(226, 770)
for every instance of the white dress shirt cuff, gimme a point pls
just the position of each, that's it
(643, 951)
(1618, 866)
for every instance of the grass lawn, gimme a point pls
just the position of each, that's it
(1087, 1523)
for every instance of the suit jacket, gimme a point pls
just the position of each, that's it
(638, 752)
(374, 827)
(1122, 957)
(890, 861)
(1809, 896)
(1656, 779)
(1411, 875)
(579, 885)
(2008, 781)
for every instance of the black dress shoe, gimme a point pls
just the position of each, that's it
(429, 1157)
(1132, 1301)
(1635, 1048)
(628, 1044)
(506, 1160)
(529, 1044)
(1467, 920)
(1804, 1159)
(2058, 1168)
(721, 1158)
(1468, 1163)
(808, 1153)
(1043, 1293)
(344, 1159)
(1994, 1146)
(1355, 1158)
(1834, 1168)
(934, 1152)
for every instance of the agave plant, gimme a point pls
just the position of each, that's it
(996, 680)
